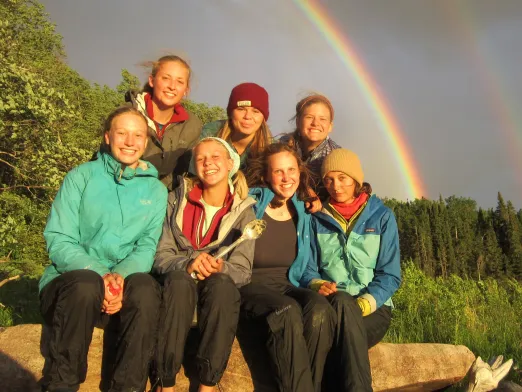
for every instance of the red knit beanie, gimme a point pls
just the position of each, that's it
(248, 94)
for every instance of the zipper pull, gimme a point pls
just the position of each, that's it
(121, 174)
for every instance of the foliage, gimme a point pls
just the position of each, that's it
(482, 315)
(205, 112)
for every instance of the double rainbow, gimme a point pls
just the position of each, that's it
(337, 40)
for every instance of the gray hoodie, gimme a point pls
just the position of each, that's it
(175, 251)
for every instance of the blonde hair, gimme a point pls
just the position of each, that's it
(156, 65)
(238, 179)
(262, 137)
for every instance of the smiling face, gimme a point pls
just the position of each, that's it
(212, 163)
(282, 175)
(314, 124)
(170, 84)
(247, 120)
(340, 186)
(127, 138)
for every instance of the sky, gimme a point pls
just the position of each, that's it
(447, 71)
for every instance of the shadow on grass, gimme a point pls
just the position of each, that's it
(20, 298)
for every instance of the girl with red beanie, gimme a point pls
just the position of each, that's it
(173, 130)
(245, 129)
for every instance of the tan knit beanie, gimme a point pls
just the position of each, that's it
(345, 161)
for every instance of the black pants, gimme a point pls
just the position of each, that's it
(71, 307)
(348, 365)
(218, 312)
(299, 325)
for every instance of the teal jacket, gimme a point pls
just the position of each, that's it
(364, 263)
(105, 219)
(296, 272)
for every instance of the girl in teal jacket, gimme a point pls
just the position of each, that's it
(357, 268)
(297, 322)
(101, 236)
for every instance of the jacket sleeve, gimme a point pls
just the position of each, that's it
(312, 267)
(241, 259)
(62, 232)
(169, 257)
(142, 257)
(387, 274)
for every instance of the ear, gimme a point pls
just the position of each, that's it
(106, 138)
(230, 164)
(151, 81)
(331, 127)
(187, 92)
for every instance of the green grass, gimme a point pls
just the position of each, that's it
(485, 316)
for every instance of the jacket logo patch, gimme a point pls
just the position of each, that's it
(244, 103)
(369, 230)
(145, 202)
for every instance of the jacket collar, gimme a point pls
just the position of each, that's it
(114, 168)
(238, 207)
(264, 196)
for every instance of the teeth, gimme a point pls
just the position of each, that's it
(126, 151)
(286, 186)
(210, 172)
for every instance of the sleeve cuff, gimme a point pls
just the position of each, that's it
(371, 301)
(315, 284)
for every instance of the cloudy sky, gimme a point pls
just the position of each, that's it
(448, 69)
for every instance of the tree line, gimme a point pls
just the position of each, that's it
(50, 119)
(454, 236)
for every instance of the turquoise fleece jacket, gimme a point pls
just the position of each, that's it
(105, 219)
(366, 262)
(263, 196)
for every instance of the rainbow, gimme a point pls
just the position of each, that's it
(375, 99)
(495, 88)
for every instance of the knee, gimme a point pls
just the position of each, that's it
(141, 291)
(287, 316)
(342, 300)
(321, 316)
(178, 283)
(220, 286)
(84, 286)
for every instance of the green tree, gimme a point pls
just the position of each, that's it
(129, 82)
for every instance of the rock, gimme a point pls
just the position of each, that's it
(395, 367)
(418, 366)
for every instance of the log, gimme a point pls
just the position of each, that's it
(395, 367)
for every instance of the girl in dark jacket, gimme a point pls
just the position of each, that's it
(173, 130)
(245, 129)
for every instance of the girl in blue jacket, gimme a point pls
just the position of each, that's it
(356, 246)
(298, 323)
(101, 235)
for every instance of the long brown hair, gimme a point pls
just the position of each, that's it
(258, 167)
(262, 137)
